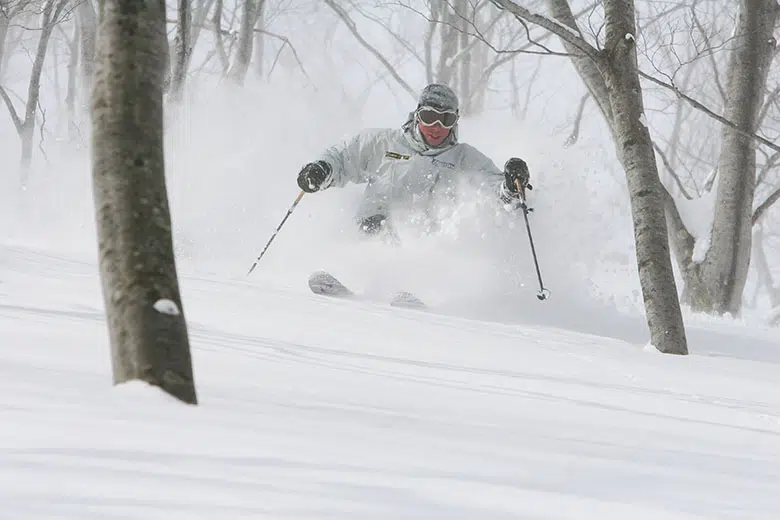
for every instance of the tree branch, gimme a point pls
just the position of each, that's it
(761, 209)
(699, 106)
(405, 44)
(370, 48)
(42, 132)
(479, 36)
(286, 42)
(680, 239)
(14, 116)
(575, 132)
(565, 33)
(674, 175)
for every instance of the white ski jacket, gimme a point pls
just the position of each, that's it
(403, 173)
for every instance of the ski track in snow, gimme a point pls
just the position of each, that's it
(319, 408)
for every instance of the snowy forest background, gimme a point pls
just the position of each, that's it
(489, 404)
(265, 85)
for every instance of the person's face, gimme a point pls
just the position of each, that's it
(435, 125)
(435, 134)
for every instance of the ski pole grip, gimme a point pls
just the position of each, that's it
(520, 190)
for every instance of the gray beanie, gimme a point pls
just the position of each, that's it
(438, 96)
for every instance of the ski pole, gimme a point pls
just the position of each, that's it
(289, 212)
(543, 293)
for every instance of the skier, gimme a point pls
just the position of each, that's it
(411, 167)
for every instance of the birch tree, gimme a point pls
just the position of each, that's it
(611, 75)
(24, 120)
(147, 328)
(716, 282)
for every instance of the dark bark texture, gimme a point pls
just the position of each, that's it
(147, 328)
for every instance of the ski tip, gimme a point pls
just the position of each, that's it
(322, 282)
(407, 299)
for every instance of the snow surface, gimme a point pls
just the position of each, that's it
(317, 408)
(491, 405)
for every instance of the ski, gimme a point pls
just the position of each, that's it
(322, 282)
(325, 284)
(408, 300)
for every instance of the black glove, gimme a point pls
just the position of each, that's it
(373, 224)
(515, 170)
(313, 175)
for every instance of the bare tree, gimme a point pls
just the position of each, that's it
(25, 126)
(86, 18)
(260, 39)
(182, 49)
(464, 62)
(612, 78)
(344, 16)
(70, 95)
(765, 271)
(245, 40)
(198, 22)
(147, 328)
(716, 283)
(5, 25)
(219, 37)
(9, 10)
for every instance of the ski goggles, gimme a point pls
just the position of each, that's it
(429, 116)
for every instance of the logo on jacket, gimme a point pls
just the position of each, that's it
(444, 164)
(394, 155)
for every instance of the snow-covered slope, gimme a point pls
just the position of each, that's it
(318, 408)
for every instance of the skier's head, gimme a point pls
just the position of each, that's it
(436, 113)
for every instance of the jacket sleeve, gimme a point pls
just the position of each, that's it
(490, 176)
(356, 159)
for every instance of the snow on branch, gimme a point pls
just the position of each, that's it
(563, 31)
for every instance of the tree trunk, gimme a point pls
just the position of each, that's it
(147, 328)
(70, 96)
(464, 64)
(449, 45)
(591, 76)
(51, 14)
(722, 273)
(4, 27)
(199, 17)
(765, 271)
(612, 78)
(430, 32)
(635, 151)
(182, 48)
(219, 38)
(259, 41)
(27, 136)
(244, 52)
(87, 21)
(7, 13)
